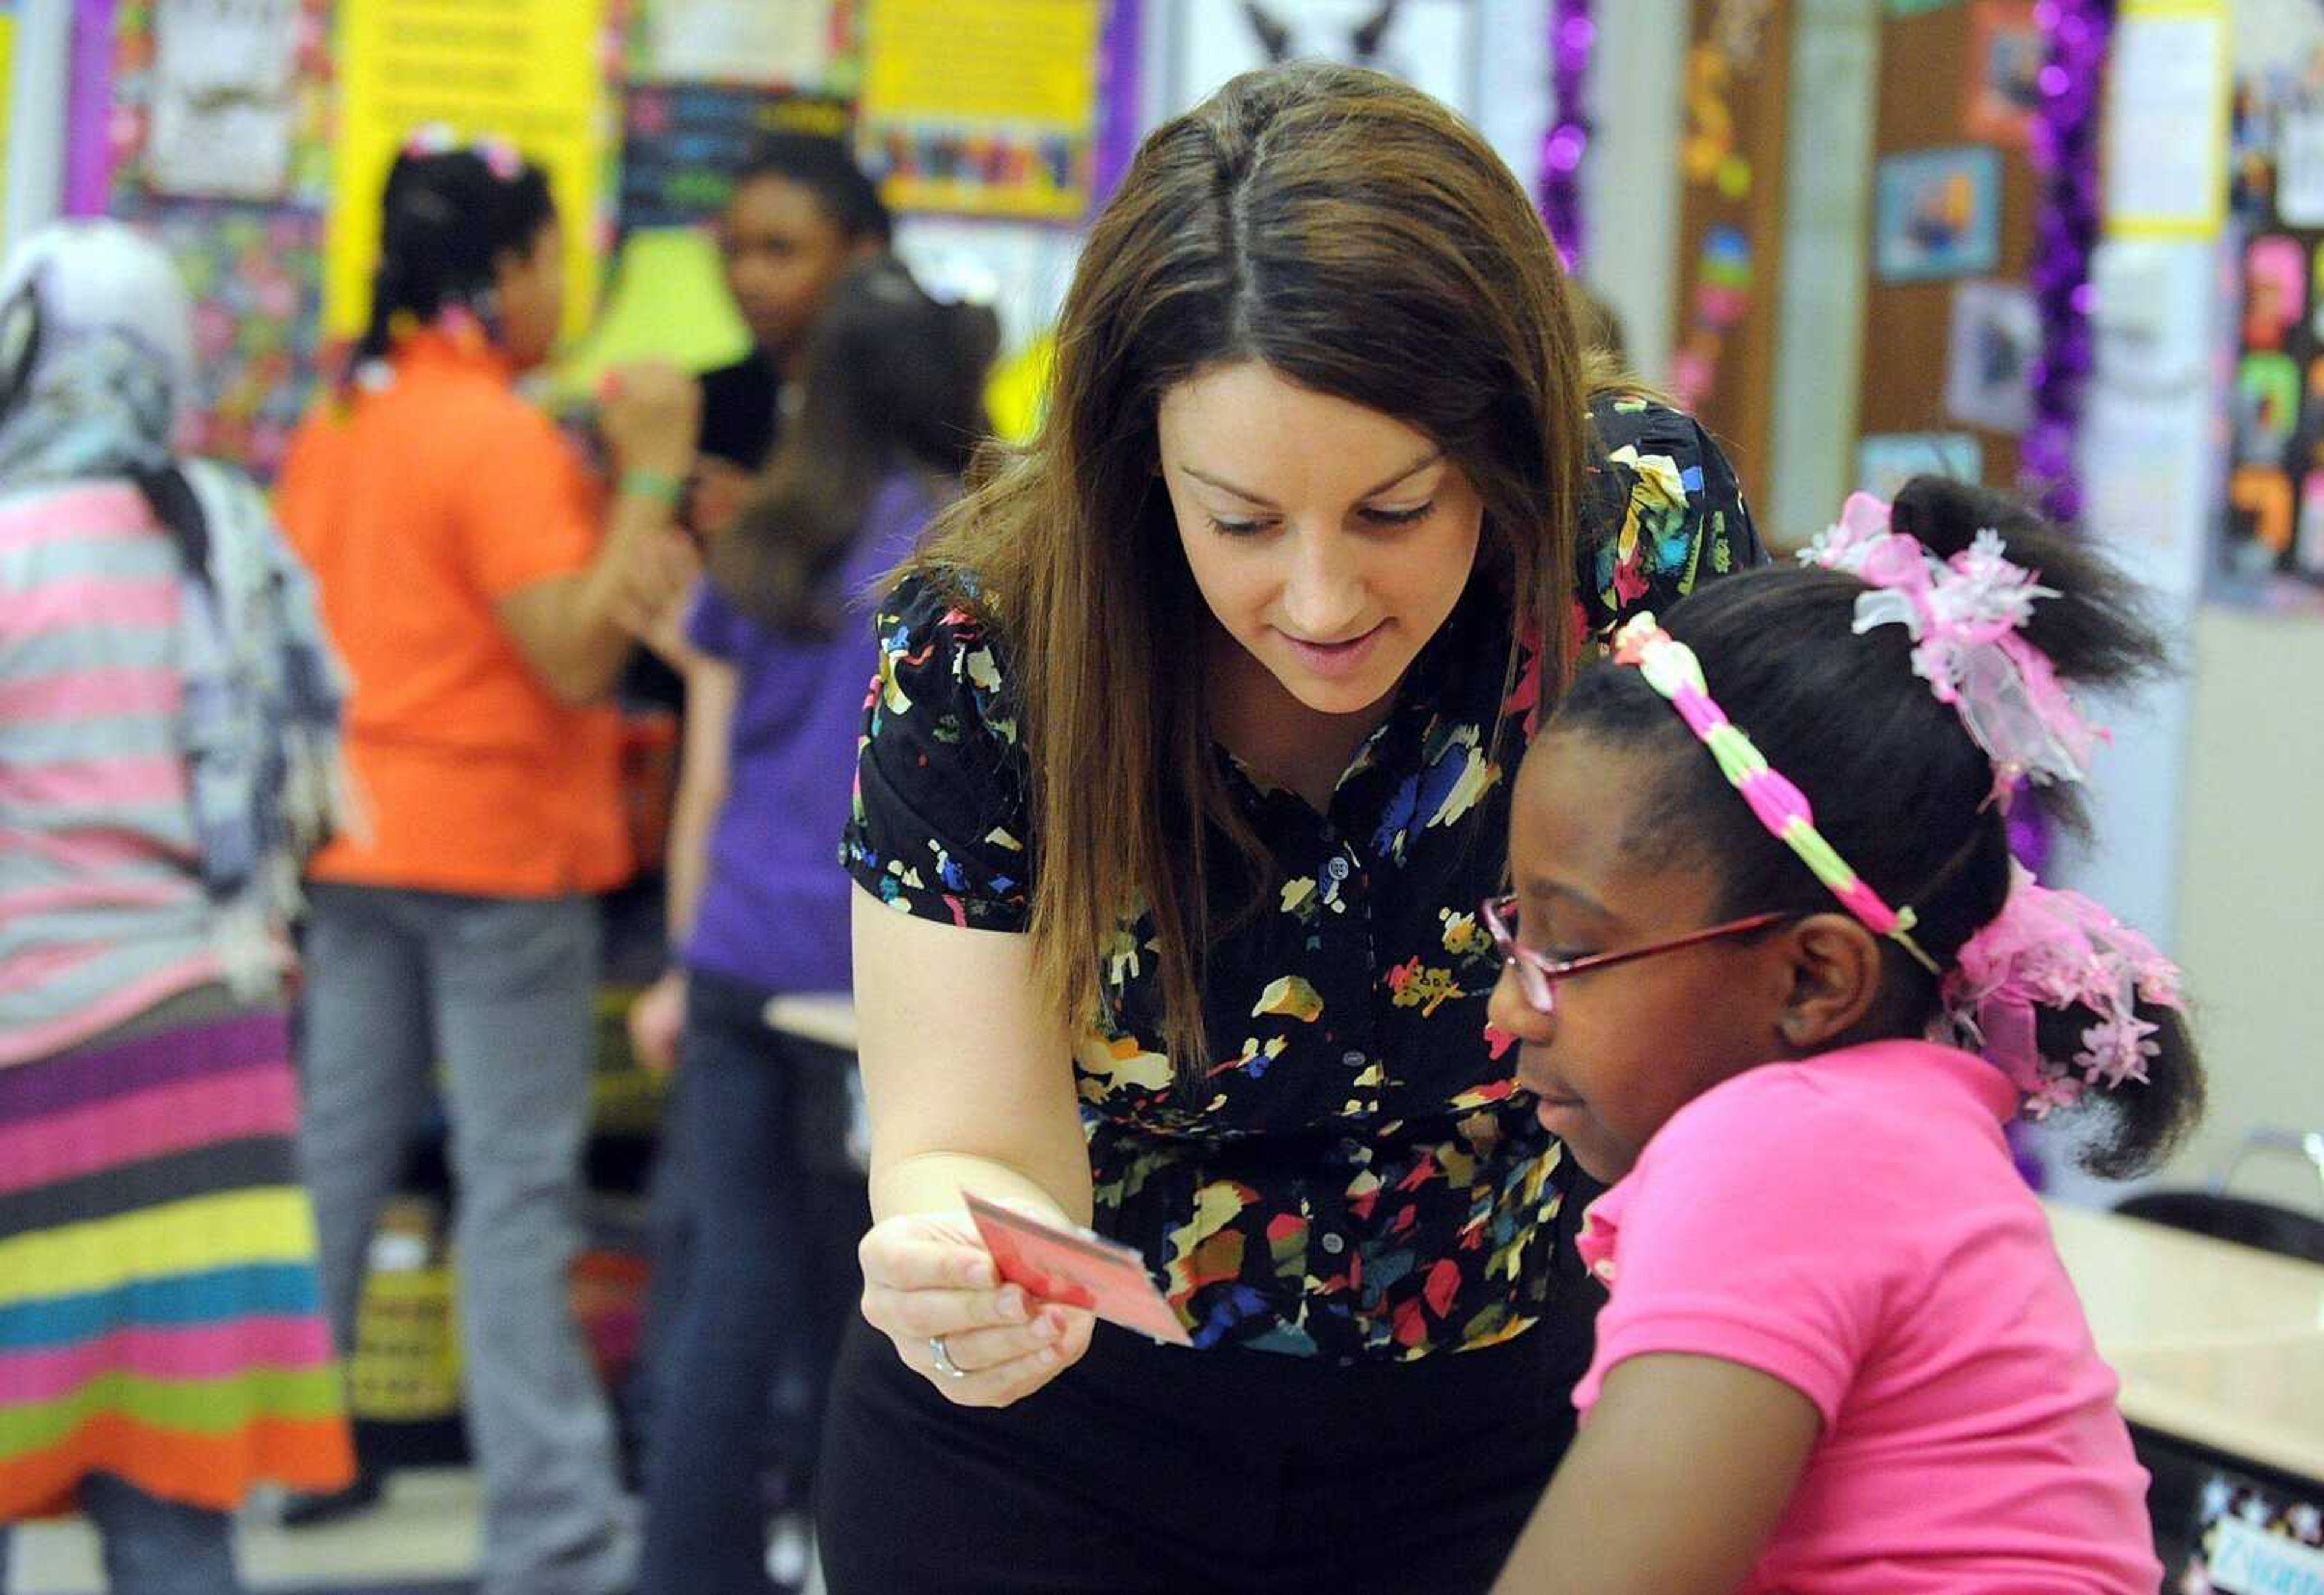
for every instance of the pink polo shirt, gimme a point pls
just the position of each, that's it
(1852, 1225)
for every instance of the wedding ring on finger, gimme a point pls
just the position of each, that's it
(945, 1365)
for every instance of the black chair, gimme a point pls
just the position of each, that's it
(2285, 1230)
(2181, 1474)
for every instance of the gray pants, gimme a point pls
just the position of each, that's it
(500, 990)
(153, 1547)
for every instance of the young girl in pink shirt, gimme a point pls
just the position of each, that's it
(1840, 1353)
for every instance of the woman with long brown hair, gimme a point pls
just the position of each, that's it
(1184, 771)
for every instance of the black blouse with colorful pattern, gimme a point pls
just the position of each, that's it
(1363, 1180)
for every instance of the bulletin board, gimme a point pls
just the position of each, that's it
(682, 142)
(641, 108)
(1950, 331)
(217, 144)
(1731, 221)
(543, 73)
(2273, 546)
(984, 109)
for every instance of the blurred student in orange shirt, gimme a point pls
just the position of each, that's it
(486, 599)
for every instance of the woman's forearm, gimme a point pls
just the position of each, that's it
(934, 1182)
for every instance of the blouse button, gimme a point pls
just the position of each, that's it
(1334, 1245)
(1354, 1060)
(1337, 868)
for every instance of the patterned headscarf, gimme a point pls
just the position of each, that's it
(97, 355)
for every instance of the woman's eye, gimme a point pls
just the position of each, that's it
(1226, 527)
(1411, 516)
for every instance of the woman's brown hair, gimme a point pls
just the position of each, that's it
(1361, 241)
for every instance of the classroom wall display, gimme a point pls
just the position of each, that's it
(202, 105)
(767, 42)
(990, 109)
(537, 72)
(2271, 530)
(1430, 44)
(2171, 58)
(223, 97)
(683, 142)
(1937, 213)
(1732, 155)
(252, 266)
(1885, 461)
(255, 277)
(2006, 57)
(1990, 349)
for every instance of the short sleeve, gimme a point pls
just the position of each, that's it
(1661, 512)
(940, 826)
(524, 507)
(711, 623)
(1753, 1231)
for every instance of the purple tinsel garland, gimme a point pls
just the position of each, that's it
(2066, 135)
(1571, 35)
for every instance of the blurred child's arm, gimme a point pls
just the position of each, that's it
(1674, 1486)
(657, 1017)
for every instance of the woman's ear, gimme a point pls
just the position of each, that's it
(1837, 973)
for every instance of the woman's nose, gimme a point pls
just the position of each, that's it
(1323, 595)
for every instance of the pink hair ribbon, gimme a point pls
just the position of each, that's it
(1964, 616)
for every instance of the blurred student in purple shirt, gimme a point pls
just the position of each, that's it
(778, 658)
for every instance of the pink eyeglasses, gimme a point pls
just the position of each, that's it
(1537, 976)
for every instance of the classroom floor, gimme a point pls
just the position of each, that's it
(422, 1541)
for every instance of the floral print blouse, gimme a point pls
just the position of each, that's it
(1363, 1180)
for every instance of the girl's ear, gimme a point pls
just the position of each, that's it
(1837, 972)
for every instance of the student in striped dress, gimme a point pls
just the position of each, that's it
(168, 752)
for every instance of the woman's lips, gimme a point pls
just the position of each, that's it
(1334, 659)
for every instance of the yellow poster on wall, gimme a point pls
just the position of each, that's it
(530, 72)
(989, 109)
(8, 92)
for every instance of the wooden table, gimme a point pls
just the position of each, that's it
(2217, 1344)
(828, 1018)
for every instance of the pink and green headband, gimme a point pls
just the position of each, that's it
(2047, 948)
(1672, 670)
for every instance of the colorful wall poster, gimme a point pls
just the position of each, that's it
(989, 109)
(684, 142)
(535, 72)
(256, 278)
(2272, 527)
(199, 106)
(222, 97)
(666, 301)
(1990, 349)
(1885, 461)
(2006, 53)
(789, 42)
(1937, 214)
